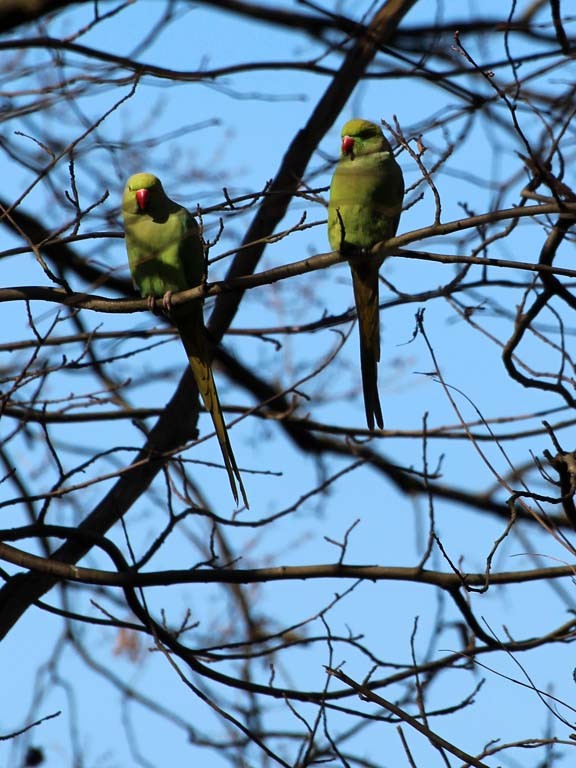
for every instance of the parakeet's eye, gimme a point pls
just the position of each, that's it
(142, 196)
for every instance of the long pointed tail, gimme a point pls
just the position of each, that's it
(192, 331)
(365, 281)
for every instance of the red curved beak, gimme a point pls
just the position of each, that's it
(142, 196)
(347, 145)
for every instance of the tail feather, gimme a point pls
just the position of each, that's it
(365, 281)
(191, 328)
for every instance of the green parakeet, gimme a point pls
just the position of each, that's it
(365, 204)
(166, 254)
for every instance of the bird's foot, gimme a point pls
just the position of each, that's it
(151, 302)
(167, 302)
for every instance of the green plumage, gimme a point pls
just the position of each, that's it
(364, 209)
(166, 255)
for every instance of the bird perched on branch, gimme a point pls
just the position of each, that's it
(166, 255)
(364, 209)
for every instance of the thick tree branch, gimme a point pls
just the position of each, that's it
(14, 13)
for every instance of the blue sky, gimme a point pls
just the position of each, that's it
(244, 126)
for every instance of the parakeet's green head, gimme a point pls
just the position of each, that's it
(143, 193)
(361, 137)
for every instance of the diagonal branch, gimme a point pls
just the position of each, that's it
(178, 421)
(288, 177)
